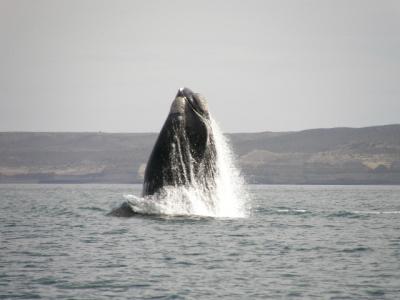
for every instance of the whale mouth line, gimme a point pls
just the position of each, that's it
(195, 110)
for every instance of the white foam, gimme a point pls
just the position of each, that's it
(292, 210)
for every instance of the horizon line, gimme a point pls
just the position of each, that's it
(239, 132)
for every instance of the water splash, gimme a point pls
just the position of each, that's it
(231, 197)
(227, 198)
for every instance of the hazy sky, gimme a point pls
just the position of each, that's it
(115, 66)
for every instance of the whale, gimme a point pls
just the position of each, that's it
(184, 154)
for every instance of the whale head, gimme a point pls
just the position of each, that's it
(187, 102)
(185, 148)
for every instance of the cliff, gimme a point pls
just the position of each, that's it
(369, 155)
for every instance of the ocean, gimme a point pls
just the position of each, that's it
(310, 242)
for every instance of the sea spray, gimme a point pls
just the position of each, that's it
(227, 197)
(231, 198)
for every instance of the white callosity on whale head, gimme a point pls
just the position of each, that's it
(178, 106)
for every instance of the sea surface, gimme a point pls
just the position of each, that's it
(311, 242)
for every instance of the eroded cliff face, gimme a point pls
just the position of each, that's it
(73, 157)
(319, 156)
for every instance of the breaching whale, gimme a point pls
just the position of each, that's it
(184, 153)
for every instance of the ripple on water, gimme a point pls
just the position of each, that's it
(93, 208)
(298, 242)
(356, 249)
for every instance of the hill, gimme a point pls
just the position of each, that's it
(369, 155)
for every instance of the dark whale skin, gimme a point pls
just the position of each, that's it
(185, 150)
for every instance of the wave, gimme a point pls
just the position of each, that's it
(324, 213)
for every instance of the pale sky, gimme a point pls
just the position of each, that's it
(115, 66)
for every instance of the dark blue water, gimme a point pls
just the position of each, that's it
(329, 242)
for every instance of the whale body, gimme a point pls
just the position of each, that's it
(184, 153)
